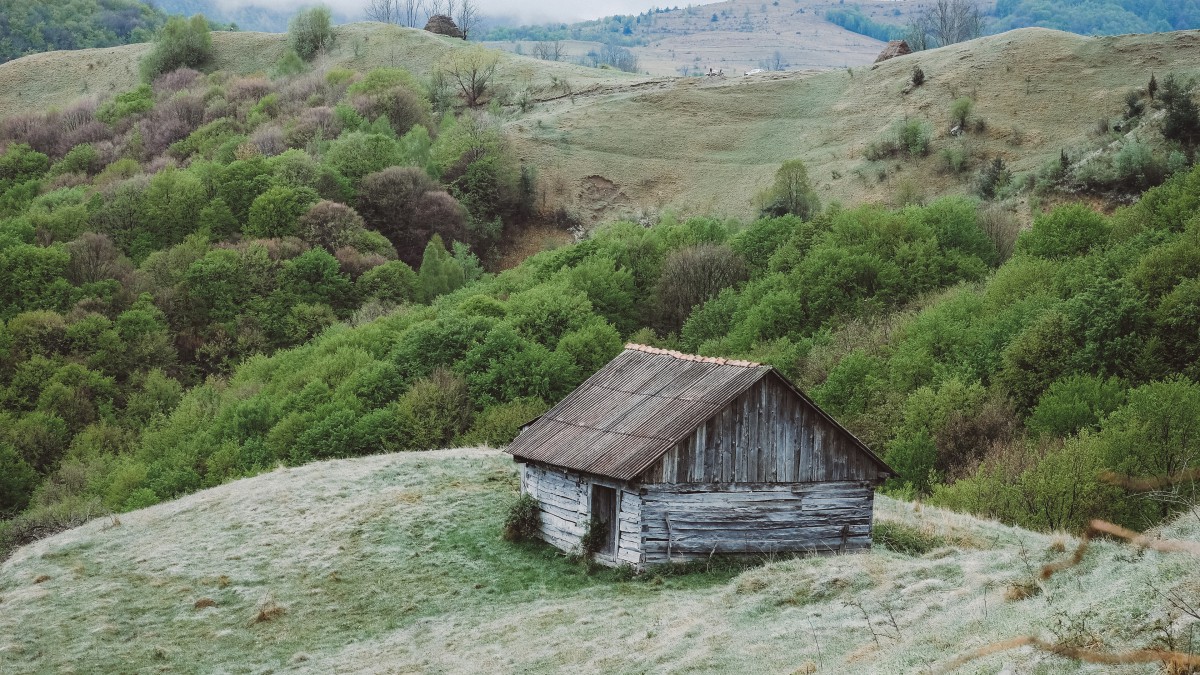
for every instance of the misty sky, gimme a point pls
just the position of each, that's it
(529, 11)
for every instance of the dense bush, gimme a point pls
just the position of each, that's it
(524, 519)
(180, 43)
(310, 32)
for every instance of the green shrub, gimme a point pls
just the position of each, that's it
(1137, 167)
(357, 154)
(310, 32)
(289, 64)
(1066, 231)
(1075, 403)
(904, 538)
(80, 159)
(499, 424)
(181, 43)
(960, 112)
(595, 537)
(392, 282)
(435, 410)
(275, 212)
(524, 519)
(17, 480)
(954, 160)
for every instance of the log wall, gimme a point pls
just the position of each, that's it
(565, 498)
(694, 522)
(768, 434)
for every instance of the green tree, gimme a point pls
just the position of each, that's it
(440, 273)
(17, 480)
(1066, 231)
(392, 281)
(181, 43)
(275, 212)
(1182, 121)
(791, 193)
(1075, 403)
(310, 32)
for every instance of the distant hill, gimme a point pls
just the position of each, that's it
(246, 16)
(739, 35)
(32, 26)
(1089, 17)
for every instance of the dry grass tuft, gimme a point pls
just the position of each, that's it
(806, 668)
(1021, 590)
(223, 581)
(268, 610)
(1173, 661)
(202, 603)
(1076, 557)
(41, 579)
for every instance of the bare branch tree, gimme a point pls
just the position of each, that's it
(383, 11)
(435, 8)
(472, 70)
(549, 50)
(412, 12)
(468, 16)
(946, 22)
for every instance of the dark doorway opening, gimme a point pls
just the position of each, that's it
(604, 514)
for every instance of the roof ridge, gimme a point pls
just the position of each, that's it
(691, 357)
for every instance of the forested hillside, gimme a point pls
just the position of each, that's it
(31, 26)
(1086, 17)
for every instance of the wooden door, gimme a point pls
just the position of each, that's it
(604, 510)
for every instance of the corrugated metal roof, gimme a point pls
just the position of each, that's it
(625, 416)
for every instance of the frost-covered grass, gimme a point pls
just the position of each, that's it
(395, 564)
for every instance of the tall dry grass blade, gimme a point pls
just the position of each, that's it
(1176, 660)
(1076, 558)
(1141, 540)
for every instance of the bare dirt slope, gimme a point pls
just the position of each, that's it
(394, 564)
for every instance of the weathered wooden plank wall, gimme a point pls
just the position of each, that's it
(693, 522)
(766, 435)
(565, 499)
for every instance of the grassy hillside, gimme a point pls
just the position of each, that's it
(394, 564)
(609, 144)
(55, 79)
(709, 146)
(746, 34)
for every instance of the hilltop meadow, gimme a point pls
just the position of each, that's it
(265, 252)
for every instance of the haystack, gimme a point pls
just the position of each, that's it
(894, 48)
(444, 25)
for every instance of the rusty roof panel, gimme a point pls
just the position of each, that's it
(626, 415)
(631, 411)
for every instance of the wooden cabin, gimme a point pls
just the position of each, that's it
(678, 457)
